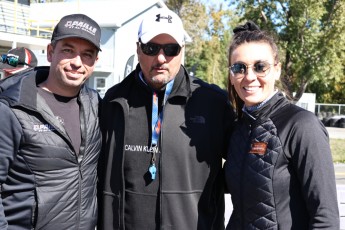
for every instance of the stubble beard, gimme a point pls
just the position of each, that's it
(160, 80)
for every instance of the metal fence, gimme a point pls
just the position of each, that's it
(15, 18)
(334, 109)
(331, 115)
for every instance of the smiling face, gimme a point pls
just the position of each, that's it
(72, 63)
(251, 88)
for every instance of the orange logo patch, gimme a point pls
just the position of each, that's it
(258, 148)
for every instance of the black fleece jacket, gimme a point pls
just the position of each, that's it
(188, 190)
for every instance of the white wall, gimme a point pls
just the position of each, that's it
(307, 101)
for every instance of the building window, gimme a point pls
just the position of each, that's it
(100, 85)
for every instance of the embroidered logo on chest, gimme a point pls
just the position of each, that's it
(43, 128)
(258, 148)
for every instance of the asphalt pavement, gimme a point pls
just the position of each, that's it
(336, 133)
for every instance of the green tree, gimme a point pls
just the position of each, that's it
(206, 55)
(311, 37)
(213, 59)
(194, 17)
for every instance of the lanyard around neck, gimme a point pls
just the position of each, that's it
(156, 117)
(156, 123)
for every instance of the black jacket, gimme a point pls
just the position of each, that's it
(42, 184)
(279, 170)
(197, 119)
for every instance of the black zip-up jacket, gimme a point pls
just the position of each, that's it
(197, 119)
(279, 170)
(43, 186)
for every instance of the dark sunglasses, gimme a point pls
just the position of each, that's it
(12, 60)
(152, 49)
(260, 68)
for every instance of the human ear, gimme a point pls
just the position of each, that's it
(230, 78)
(50, 51)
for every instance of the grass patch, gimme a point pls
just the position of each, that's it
(338, 150)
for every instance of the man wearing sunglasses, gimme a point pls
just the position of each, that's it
(164, 135)
(50, 135)
(17, 60)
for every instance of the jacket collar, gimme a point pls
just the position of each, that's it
(265, 111)
(180, 87)
(119, 92)
(22, 88)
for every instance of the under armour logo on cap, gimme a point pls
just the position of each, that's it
(161, 21)
(159, 17)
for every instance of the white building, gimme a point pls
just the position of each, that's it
(307, 101)
(118, 19)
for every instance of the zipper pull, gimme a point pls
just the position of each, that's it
(81, 174)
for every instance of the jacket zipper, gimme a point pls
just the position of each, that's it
(80, 181)
(121, 193)
(79, 195)
(160, 150)
(80, 158)
(242, 187)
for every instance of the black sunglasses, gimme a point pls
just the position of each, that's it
(260, 68)
(12, 60)
(152, 49)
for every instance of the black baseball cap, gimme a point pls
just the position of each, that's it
(25, 58)
(79, 26)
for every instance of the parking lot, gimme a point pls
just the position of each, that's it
(336, 133)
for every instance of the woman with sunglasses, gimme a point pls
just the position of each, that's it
(279, 168)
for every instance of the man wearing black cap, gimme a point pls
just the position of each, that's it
(50, 137)
(17, 60)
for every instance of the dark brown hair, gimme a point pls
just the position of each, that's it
(246, 33)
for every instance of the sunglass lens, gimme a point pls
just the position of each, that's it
(261, 67)
(239, 68)
(13, 61)
(3, 58)
(150, 49)
(171, 49)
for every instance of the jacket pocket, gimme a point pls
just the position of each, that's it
(34, 210)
